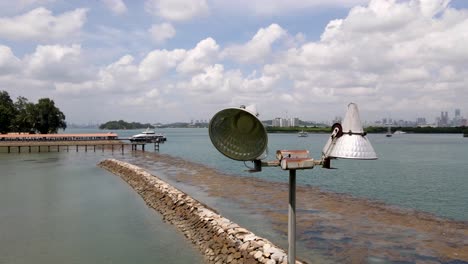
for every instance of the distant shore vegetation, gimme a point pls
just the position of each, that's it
(419, 130)
(372, 129)
(23, 116)
(122, 125)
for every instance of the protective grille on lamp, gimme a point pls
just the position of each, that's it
(238, 134)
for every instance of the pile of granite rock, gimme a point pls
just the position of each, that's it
(218, 239)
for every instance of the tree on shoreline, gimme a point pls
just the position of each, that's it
(7, 112)
(24, 119)
(23, 116)
(48, 117)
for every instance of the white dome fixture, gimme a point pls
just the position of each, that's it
(239, 135)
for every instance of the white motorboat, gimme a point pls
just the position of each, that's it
(303, 134)
(148, 136)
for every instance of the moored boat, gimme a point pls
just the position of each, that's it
(389, 131)
(148, 136)
(303, 134)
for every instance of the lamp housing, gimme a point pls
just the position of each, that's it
(348, 140)
(238, 133)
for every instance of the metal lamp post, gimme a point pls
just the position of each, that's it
(238, 134)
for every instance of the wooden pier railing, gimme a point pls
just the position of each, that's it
(18, 143)
(11, 147)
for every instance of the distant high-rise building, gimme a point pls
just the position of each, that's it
(387, 121)
(294, 122)
(276, 122)
(285, 122)
(457, 120)
(421, 121)
(443, 121)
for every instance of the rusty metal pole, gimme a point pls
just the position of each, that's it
(292, 218)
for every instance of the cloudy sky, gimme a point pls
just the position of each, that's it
(178, 60)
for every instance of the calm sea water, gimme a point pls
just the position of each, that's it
(415, 171)
(61, 207)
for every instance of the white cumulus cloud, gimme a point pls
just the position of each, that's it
(204, 54)
(54, 62)
(162, 32)
(158, 62)
(281, 7)
(117, 7)
(177, 10)
(41, 25)
(9, 63)
(258, 48)
(407, 56)
(383, 52)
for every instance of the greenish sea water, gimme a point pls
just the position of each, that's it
(426, 172)
(62, 208)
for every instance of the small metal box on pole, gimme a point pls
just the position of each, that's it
(238, 134)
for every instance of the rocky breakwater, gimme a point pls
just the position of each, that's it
(218, 239)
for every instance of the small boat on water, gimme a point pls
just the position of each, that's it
(148, 136)
(303, 134)
(399, 132)
(389, 131)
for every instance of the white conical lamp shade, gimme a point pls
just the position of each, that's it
(353, 144)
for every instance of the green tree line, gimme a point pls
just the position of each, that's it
(418, 130)
(297, 129)
(120, 124)
(23, 116)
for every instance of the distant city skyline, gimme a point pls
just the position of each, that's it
(444, 119)
(153, 61)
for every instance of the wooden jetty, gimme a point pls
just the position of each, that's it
(57, 137)
(18, 143)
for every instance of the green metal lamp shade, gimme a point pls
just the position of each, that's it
(238, 134)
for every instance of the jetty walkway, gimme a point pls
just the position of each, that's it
(17, 143)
